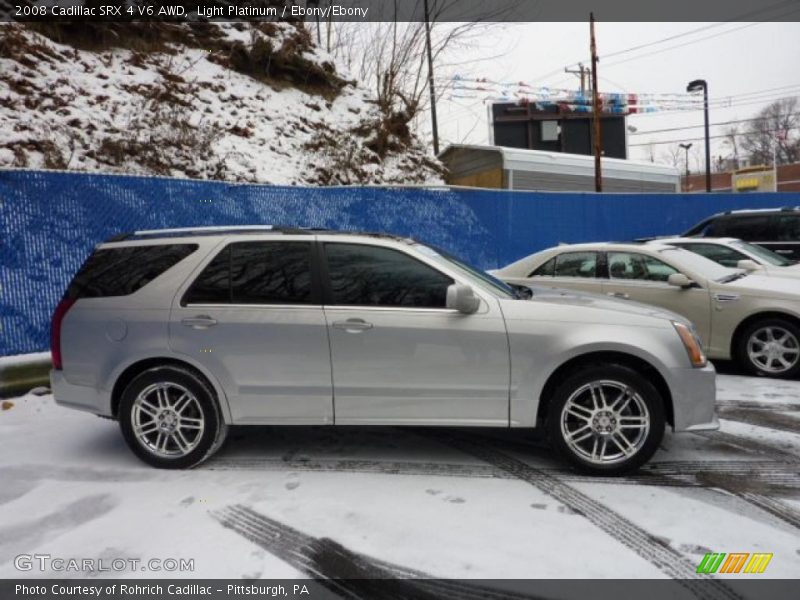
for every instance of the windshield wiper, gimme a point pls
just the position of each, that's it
(733, 277)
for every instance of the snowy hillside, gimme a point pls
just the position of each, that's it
(234, 101)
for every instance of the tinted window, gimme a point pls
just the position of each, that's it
(548, 269)
(745, 227)
(256, 273)
(723, 255)
(372, 276)
(788, 228)
(628, 265)
(576, 264)
(122, 271)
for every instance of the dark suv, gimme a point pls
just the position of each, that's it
(776, 229)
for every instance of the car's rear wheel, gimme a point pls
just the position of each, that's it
(770, 347)
(606, 419)
(170, 418)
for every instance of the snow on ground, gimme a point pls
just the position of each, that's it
(180, 112)
(443, 503)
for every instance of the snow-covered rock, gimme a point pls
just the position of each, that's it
(234, 101)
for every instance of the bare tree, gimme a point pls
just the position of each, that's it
(774, 129)
(731, 140)
(390, 57)
(674, 156)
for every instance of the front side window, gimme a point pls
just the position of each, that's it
(788, 228)
(362, 275)
(256, 273)
(576, 264)
(639, 267)
(723, 255)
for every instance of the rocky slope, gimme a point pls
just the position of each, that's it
(233, 101)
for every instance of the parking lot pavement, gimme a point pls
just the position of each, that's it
(391, 502)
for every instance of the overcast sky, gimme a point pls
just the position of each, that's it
(749, 59)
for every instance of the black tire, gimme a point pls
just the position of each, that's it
(645, 394)
(205, 443)
(742, 355)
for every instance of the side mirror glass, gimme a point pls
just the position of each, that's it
(748, 265)
(679, 280)
(461, 298)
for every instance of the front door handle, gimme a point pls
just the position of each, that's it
(784, 251)
(199, 322)
(622, 295)
(353, 325)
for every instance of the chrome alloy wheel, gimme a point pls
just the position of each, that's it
(605, 422)
(773, 349)
(168, 420)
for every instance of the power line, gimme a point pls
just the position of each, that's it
(699, 139)
(711, 125)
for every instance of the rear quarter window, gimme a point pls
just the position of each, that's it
(123, 271)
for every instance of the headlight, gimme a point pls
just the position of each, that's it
(692, 344)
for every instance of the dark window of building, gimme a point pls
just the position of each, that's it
(256, 273)
(122, 271)
(362, 275)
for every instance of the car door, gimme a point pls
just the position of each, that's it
(569, 270)
(253, 318)
(399, 355)
(643, 278)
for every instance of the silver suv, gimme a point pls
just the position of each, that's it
(180, 333)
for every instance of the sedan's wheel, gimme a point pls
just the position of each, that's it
(170, 419)
(606, 419)
(770, 347)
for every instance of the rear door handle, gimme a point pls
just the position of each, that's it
(622, 295)
(353, 325)
(199, 322)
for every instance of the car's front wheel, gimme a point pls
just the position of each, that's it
(606, 419)
(770, 347)
(170, 419)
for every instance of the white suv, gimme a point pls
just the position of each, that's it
(180, 333)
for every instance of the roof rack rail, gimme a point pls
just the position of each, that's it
(220, 228)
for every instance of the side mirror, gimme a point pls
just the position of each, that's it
(462, 298)
(679, 280)
(748, 265)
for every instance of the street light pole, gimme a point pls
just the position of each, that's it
(686, 147)
(701, 84)
(431, 88)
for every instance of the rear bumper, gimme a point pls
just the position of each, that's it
(694, 395)
(79, 397)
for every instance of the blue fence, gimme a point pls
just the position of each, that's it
(49, 222)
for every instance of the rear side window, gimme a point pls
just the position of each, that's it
(122, 271)
(256, 273)
(576, 264)
(751, 228)
(548, 269)
(362, 275)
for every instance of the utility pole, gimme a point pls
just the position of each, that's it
(598, 148)
(686, 147)
(434, 124)
(581, 73)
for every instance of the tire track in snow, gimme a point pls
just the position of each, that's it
(667, 560)
(344, 572)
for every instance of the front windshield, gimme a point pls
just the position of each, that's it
(768, 256)
(480, 278)
(699, 265)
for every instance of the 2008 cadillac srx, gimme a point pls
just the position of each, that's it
(180, 333)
